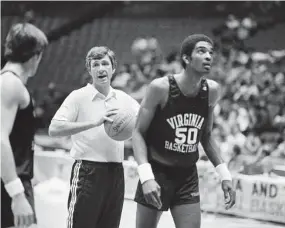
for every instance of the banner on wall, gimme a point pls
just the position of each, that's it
(257, 197)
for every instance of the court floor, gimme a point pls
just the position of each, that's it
(51, 202)
(208, 220)
(55, 206)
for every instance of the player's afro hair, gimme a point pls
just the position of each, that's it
(189, 43)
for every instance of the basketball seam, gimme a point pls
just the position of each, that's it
(128, 123)
(124, 126)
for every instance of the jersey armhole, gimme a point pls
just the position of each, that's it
(165, 100)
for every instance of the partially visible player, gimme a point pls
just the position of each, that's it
(24, 47)
(175, 115)
(97, 180)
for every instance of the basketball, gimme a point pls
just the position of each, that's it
(122, 126)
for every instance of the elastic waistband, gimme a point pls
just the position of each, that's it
(101, 164)
(162, 166)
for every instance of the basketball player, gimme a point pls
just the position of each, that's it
(97, 179)
(175, 115)
(24, 46)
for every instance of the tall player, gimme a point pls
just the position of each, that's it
(24, 46)
(175, 115)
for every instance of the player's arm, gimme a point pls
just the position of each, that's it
(207, 141)
(146, 113)
(10, 102)
(211, 149)
(153, 97)
(64, 122)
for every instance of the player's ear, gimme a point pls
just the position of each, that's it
(113, 71)
(185, 59)
(89, 71)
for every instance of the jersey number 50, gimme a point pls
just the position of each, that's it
(186, 135)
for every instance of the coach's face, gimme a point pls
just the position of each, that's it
(101, 70)
(202, 57)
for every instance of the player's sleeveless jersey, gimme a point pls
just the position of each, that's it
(21, 139)
(175, 131)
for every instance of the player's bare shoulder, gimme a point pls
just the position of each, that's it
(215, 92)
(160, 86)
(158, 90)
(13, 90)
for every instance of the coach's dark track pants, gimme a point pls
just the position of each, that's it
(96, 195)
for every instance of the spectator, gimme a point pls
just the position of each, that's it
(252, 143)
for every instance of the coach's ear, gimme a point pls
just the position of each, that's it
(185, 59)
(114, 69)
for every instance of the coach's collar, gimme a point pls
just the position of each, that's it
(95, 93)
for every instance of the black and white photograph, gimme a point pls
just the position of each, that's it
(142, 114)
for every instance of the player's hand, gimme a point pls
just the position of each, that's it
(152, 193)
(229, 193)
(22, 211)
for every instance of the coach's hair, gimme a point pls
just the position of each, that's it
(189, 43)
(24, 41)
(99, 53)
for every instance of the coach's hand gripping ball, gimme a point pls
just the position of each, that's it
(122, 126)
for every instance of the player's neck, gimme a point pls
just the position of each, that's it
(191, 78)
(21, 70)
(189, 82)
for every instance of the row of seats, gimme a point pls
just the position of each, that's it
(64, 60)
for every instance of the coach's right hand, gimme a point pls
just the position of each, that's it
(152, 193)
(107, 114)
(22, 211)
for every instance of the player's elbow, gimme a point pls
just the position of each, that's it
(53, 129)
(205, 139)
(4, 137)
(138, 130)
(135, 133)
(5, 147)
(4, 142)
